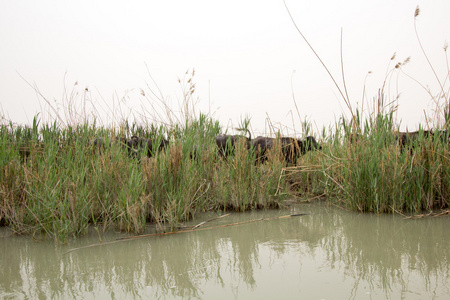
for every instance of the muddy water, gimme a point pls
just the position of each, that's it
(328, 254)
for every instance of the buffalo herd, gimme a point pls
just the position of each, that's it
(227, 143)
(291, 148)
(135, 146)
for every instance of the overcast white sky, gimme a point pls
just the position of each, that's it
(248, 58)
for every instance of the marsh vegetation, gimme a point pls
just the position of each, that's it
(63, 173)
(57, 181)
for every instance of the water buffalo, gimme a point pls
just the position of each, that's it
(409, 139)
(260, 145)
(443, 135)
(291, 148)
(100, 144)
(309, 144)
(137, 144)
(28, 147)
(227, 143)
(354, 137)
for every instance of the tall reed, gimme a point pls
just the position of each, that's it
(55, 181)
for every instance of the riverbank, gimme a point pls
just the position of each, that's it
(56, 181)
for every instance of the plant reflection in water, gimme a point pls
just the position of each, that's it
(330, 254)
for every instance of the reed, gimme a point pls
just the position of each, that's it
(365, 164)
(56, 182)
(372, 171)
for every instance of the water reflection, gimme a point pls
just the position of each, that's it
(329, 254)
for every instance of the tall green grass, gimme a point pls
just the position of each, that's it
(369, 171)
(56, 182)
(363, 166)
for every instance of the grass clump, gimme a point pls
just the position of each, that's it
(370, 170)
(368, 165)
(56, 182)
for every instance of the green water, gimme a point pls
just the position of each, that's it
(328, 254)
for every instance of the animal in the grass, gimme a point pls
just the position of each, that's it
(291, 148)
(260, 145)
(137, 144)
(226, 144)
(442, 134)
(100, 144)
(309, 144)
(410, 139)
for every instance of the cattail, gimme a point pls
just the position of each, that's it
(445, 46)
(394, 55)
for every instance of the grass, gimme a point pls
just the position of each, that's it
(365, 168)
(55, 182)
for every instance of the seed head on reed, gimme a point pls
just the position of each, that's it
(417, 11)
(175, 158)
(150, 168)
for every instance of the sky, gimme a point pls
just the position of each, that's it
(132, 60)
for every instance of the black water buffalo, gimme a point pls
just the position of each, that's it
(137, 144)
(100, 144)
(27, 147)
(410, 139)
(309, 144)
(291, 148)
(260, 145)
(443, 135)
(227, 143)
(354, 137)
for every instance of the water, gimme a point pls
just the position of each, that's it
(328, 254)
